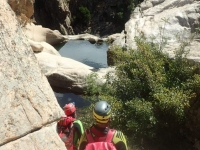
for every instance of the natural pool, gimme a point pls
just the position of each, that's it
(94, 55)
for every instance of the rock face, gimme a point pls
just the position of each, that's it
(28, 107)
(53, 14)
(174, 20)
(40, 34)
(22, 7)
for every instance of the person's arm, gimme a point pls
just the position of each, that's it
(61, 124)
(119, 141)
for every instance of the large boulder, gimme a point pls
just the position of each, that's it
(43, 46)
(40, 34)
(68, 75)
(64, 74)
(28, 104)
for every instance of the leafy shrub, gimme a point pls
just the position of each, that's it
(119, 17)
(83, 15)
(151, 95)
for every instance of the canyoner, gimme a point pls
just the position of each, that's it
(101, 143)
(69, 128)
(100, 136)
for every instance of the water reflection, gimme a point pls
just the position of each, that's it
(70, 97)
(94, 55)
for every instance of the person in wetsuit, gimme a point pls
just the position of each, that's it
(69, 128)
(100, 129)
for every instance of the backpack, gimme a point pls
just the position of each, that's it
(101, 144)
(66, 131)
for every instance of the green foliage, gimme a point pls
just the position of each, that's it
(194, 83)
(142, 119)
(83, 15)
(115, 55)
(150, 94)
(94, 88)
(86, 116)
(171, 104)
(131, 7)
(123, 10)
(119, 17)
(197, 30)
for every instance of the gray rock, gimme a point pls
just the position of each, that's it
(39, 34)
(68, 75)
(27, 102)
(31, 140)
(173, 20)
(63, 73)
(91, 38)
(53, 14)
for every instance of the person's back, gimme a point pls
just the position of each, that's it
(96, 136)
(69, 128)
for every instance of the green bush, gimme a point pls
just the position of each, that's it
(83, 15)
(150, 94)
(119, 17)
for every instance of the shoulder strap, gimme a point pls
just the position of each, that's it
(110, 135)
(89, 136)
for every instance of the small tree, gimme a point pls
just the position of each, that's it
(83, 16)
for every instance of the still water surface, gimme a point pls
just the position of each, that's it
(94, 55)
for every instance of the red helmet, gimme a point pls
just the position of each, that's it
(69, 108)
